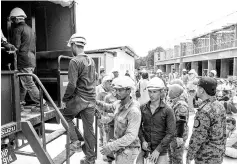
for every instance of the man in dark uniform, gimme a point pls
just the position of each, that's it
(208, 140)
(24, 40)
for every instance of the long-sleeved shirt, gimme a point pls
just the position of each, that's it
(158, 129)
(81, 79)
(208, 140)
(127, 119)
(23, 39)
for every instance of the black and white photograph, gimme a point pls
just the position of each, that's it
(118, 82)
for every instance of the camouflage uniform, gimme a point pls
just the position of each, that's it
(208, 140)
(181, 111)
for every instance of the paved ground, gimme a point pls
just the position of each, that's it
(58, 145)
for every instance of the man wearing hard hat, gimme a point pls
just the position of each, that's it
(127, 120)
(159, 73)
(80, 97)
(180, 107)
(23, 39)
(213, 73)
(157, 126)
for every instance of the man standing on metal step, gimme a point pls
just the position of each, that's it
(23, 39)
(80, 97)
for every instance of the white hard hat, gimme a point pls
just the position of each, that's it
(107, 78)
(184, 70)
(155, 83)
(17, 12)
(102, 67)
(159, 71)
(214, 72)
(124, 82)
(175, 90)
(192, 71)
(77, 39)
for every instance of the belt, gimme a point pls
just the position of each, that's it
(127, 147)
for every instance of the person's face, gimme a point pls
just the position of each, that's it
(184, 72)
(116, 74)
(154, 94)
(74, 49)
(229, 125)
(211, 74)
(173, 70)
(200, 91)
(107, 84)
(122, 93)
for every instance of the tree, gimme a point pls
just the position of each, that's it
(148, 60)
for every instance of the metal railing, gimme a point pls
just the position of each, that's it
(64, 122)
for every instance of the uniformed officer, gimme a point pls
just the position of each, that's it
(207, 143)
(181, 111)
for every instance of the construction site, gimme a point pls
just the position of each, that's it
(215, 50)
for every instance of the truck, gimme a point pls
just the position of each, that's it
(53, 22)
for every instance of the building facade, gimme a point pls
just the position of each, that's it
(216, 50)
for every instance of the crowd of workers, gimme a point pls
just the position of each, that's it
(141, 120)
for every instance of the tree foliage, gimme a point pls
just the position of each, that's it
(148, 60)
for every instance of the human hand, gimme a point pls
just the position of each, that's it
(154, 156)
(144, 145)
(188, 161)
(179, 141)
(105, 150)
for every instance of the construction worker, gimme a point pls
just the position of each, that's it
(207, 143)
(172, 75)
(184, 77)
(142, 88)
(213, 73)
(231, 143)
(101, 91)
(157, 126)
(127, 119)
(115, 73)
(23, 39)
(159, 73)
(180, 107)
(80, 97)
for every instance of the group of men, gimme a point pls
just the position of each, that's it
(154, 130)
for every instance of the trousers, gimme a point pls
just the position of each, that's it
(86, 110)
(27, 85)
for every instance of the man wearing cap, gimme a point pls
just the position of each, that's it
(180, 107)
(23, 39)
(207, 143)
(231, 143)
(80, 97)
(157, 125)
(127, 119)
(184, 77)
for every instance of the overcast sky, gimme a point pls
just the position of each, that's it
(145, 24)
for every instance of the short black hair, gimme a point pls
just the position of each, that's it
(145, 75)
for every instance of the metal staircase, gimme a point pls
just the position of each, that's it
(39, 145)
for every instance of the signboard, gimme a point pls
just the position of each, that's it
(8, 130)
(8, 155)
